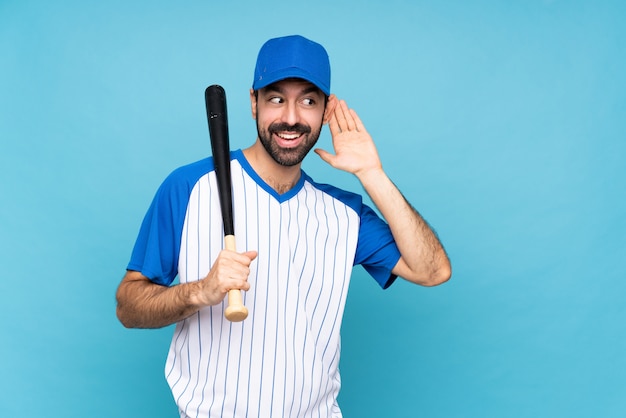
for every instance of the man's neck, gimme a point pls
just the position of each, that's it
(278, 177)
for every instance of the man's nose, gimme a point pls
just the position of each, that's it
(290, 114)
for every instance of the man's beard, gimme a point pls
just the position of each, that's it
(288, 156)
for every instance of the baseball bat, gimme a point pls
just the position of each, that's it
(217, 117)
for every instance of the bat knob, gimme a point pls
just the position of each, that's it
(235, 312)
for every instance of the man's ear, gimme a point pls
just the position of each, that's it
(330, 108)
(253, 99)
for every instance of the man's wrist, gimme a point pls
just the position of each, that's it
(371, 176)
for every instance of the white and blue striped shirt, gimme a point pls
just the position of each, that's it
(282, 361)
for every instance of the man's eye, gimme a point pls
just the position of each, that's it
(308, 102)
(276, 100)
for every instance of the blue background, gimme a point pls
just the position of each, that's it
(503, 122)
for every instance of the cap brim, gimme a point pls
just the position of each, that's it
(286, 73)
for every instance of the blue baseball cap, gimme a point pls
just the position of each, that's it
(292, 57)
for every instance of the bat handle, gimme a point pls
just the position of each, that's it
(235, 311)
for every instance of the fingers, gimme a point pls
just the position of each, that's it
(232, 283)
(333, 125)
(229, 271)
(327, 157)
(324, 155)
(233, 267)
(344, 118)
(357, 121)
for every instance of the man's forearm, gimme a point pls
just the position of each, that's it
(424, 260)
(143, 304)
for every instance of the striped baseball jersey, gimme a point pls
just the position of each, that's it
(282, 361)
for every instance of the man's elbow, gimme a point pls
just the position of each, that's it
(435, 275)
(428, 275)
(125, 308)
(123, 317)
(439, 276)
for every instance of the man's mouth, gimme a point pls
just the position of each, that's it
(288, 136)
(288, 140)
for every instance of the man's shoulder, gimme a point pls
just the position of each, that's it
(195, 169)
(184, 178)
(350, 199)
(190, 173)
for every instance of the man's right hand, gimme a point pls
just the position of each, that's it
(229, 271)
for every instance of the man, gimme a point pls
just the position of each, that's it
(299, 242)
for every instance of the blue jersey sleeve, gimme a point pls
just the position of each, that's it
(156, 251)
(376, 250)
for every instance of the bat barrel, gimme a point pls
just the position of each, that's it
(217, 117)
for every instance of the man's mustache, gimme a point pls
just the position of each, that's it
(285, 127)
